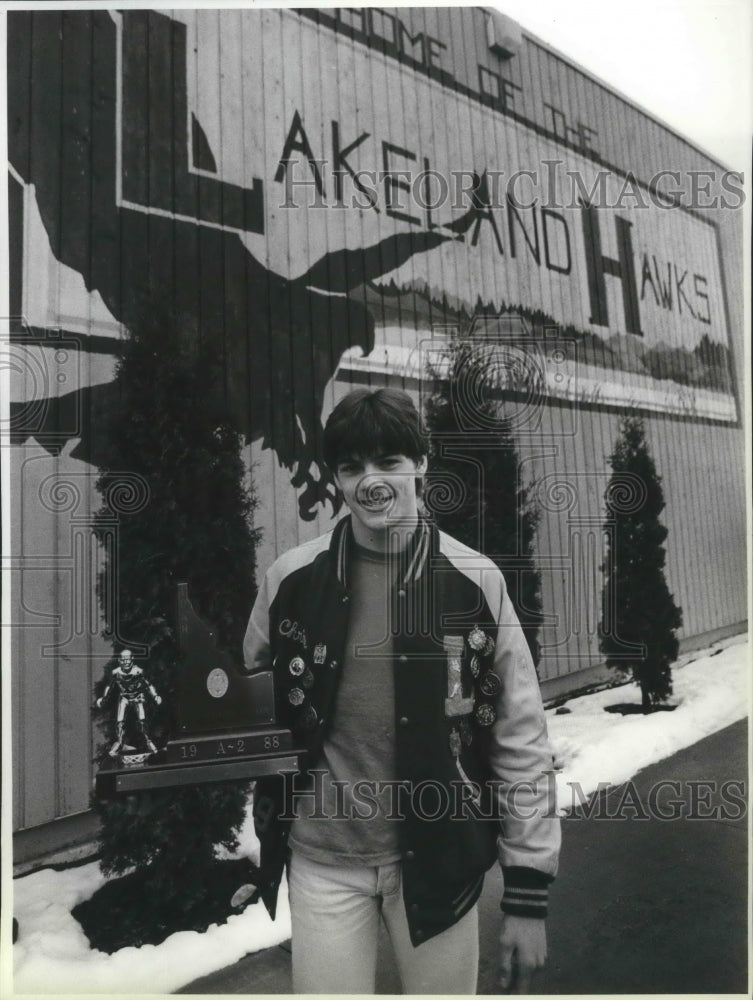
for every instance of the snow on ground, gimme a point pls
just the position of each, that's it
(52, 955)
(711, 691)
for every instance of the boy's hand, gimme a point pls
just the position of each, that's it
(522, 950)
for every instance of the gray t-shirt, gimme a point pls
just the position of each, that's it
(360, 747)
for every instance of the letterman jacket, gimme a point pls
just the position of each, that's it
(469, 722)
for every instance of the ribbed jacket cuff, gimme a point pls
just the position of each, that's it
(526, 892)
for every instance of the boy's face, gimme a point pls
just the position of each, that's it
(380, 492)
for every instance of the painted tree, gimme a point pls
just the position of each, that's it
(474, 489)
(639, 615)
(172, 437)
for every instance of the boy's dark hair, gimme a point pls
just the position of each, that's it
(373, 422)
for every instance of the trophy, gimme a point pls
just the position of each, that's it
(133, 688)
(225, 726)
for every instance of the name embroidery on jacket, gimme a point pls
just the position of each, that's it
(295, 632)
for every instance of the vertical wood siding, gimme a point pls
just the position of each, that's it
(152, 155)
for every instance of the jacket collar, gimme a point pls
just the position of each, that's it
(413, 558)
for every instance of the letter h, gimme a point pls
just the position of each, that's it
(598, 266)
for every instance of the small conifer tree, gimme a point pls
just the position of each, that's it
(193, 525)
(639, 615)
(474, 490)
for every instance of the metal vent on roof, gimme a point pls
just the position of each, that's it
(504, 35)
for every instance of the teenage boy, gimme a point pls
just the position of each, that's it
(399, 662)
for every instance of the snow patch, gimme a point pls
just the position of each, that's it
(595, 746)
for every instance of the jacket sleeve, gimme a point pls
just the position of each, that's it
(521, 762)
(256, 649)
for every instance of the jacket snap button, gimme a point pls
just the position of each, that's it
(404, 720)
(345, 599)
(414, 907)
(333, 664)
(410, 855)
(419, 935)
(401, 593)
(403, 658)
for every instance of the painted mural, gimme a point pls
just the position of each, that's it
(306, 223)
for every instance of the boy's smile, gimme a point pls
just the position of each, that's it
(380, 492)
(374, 496)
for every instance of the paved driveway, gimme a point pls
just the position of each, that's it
(640, 905)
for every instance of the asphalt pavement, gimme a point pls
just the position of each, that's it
(651, 895)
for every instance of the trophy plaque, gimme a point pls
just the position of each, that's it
(225, 722)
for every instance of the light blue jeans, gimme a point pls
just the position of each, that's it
(335, 918)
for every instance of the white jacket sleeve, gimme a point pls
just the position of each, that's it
(256, 650)
(522, 764)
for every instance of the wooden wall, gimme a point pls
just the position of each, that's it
(188, 162)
